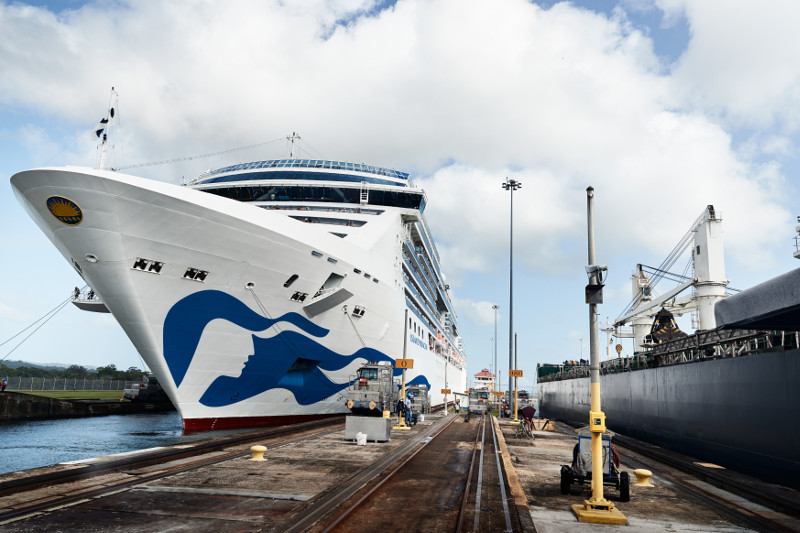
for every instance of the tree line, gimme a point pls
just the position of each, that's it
(73, 372)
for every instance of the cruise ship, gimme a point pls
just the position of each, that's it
(255, 291)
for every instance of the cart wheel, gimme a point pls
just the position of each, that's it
(566, 480)
(624, 487)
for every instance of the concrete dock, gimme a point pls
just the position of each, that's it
(663, 507)
(224, 490)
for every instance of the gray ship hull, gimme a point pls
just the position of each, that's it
(742, 413)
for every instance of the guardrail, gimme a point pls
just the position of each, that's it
(31, 383)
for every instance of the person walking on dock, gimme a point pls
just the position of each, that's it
(408, 410)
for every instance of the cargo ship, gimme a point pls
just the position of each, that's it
(729, 394)
(255, 291)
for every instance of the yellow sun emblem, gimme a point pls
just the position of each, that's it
(65, 210)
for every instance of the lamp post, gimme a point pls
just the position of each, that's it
(511, 185)
(597, 509)
(496, 384)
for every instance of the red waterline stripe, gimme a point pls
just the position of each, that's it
(206, 424)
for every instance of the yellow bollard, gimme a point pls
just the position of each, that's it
(386, 413)
(642, 478)
(258, 453)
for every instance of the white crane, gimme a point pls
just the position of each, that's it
(708, 281)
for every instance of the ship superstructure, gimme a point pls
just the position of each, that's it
(255, 291)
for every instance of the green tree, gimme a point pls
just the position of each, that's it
(75, 371)
(108, 372)
(132, 374)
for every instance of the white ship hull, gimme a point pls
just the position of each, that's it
(202, 285)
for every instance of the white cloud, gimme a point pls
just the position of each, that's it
(479, 313)
(742, 59)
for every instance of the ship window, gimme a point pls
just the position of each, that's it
(340, 235)
(375, 280)
(300, 193)
(291, 280)
(367, 275)
(147, 265)
(195, 274)
(357, 271)
(316, 253)
(358, 311)
(332, 260)
(299, 296)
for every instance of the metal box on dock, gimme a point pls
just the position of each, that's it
(377, 429)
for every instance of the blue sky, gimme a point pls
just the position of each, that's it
(663, 106)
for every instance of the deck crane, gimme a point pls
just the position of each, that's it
(708, 282)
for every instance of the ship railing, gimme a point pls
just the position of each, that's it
(413, 290)
(428, 295)
(416, 269)
(704, 346)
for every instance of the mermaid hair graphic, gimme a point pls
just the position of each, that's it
(288, 360)
(187, 319)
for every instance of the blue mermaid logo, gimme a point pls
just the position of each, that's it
(288, 360)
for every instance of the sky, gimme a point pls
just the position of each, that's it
(663, 106)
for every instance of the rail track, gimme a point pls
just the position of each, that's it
(420, 493)
(752, 505)
(19, 498)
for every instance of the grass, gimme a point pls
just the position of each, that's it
(77, 394)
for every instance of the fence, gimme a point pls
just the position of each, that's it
(23, 384)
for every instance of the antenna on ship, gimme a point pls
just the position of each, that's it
(111, 119)
(291, 143)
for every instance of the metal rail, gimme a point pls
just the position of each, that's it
(729, 508)
(479, 485)
(283, 434)
(506, 512)
(342, 495)
(660, 463)
(465, 499)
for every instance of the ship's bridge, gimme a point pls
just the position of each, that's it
(312, 181)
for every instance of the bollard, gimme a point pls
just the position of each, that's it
(642, 478)
(258, 453)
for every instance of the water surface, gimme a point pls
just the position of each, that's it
(35, 443)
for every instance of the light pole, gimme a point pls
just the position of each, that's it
(496, 384)
(597, 509)
(511, 185)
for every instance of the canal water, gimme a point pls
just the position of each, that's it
(36, 443)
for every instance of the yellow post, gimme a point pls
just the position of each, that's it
(597, 509)
(516, 407)
(401, 424)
